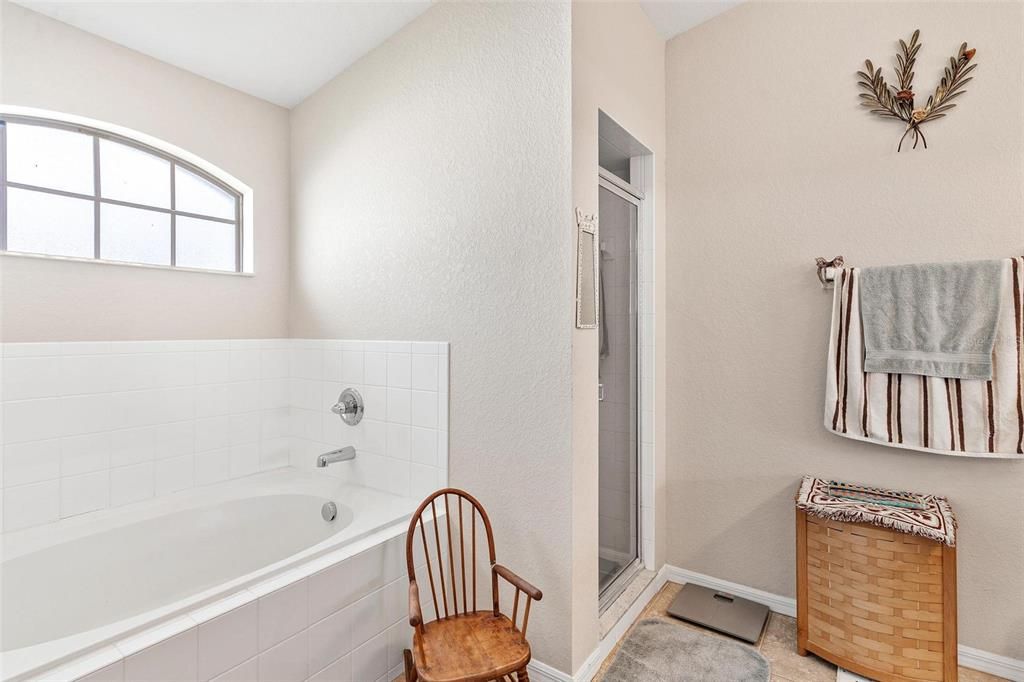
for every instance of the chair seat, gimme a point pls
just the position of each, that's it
(471, 647)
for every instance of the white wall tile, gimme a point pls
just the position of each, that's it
(246, 672)
(175, 440)
(274, 363)
(398, 405)
(245, 459)
(86, 493)
(396, 476)
(244, 365)
(274, 453)
(211, 434)
(339, 671)
(146, 412)
(31, 505)
(351, 367)
(274, 394)
(244, 428)
(332, 365)
(306, 363)
(375, 369)
(424, 372)
(31, 462)
(131, 446)
(171, 659)
(228, 641)
(369, 661)
(132, 483)
(211, 367)
(399, 370)
(25, 378)
(111, 673)
(174, 473)
(212, 466)
(423, 446)
(85, 454)
(399, 441)
(282, 614)
(376, 401)
(374, 436)
(86, 414)
(329, 639)
(399, 639)
(31, 420)
(423, 480)
(423, 409)
(286, 662)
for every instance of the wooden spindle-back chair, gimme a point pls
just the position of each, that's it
(462, 643)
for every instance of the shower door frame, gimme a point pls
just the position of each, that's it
(633, 195)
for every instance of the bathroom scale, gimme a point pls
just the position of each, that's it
(720, 611)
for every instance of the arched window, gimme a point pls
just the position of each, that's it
(76, 191)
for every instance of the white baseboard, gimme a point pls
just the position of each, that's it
(779, 604)
(993, 664)
(542, 672)
(969, 657)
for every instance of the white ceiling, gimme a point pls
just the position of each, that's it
(283, 51)
(279, 51)
(672, 17)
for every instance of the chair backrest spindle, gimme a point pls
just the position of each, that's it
(447, 579)
(451, 557)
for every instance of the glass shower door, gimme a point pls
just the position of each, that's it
(618, 491)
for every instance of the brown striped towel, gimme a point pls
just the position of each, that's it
(969, 417)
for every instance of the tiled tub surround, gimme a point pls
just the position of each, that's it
(332, 608)
(402, 439)
(87, 426)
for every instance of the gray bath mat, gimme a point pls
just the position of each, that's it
(659, 650)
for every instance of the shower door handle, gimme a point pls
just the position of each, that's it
(600, 393)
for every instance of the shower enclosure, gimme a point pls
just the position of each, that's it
(618, 377)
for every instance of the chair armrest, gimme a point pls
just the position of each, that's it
(415, 616)
(517, 582)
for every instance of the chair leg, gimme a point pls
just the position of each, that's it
(410, 667)
(523, 676)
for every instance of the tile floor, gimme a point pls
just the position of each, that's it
(778, 645)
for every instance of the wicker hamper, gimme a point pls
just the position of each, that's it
(878, 601)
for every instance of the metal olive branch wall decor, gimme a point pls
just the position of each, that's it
(897, 101)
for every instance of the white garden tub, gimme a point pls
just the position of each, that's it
(74, 586)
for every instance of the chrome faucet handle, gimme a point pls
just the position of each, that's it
(349, 406)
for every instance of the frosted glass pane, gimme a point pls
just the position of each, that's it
(49, 224)
(130, 174)
(49, 157)
(193, 194)
(135, 235)
(205, 244)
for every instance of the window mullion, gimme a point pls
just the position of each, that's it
(3, 186)
(97, 194)
(174, 216)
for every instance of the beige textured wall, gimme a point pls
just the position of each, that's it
(618, 66)
(431, 195)
(771, 163)
(50, 65)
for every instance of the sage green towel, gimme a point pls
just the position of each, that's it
(934, 319)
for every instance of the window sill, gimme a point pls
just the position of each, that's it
(120, 264)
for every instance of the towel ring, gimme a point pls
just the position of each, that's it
(824, 276)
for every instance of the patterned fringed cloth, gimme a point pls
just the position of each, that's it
(928, 516)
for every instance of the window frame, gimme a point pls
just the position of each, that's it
(174, 161)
